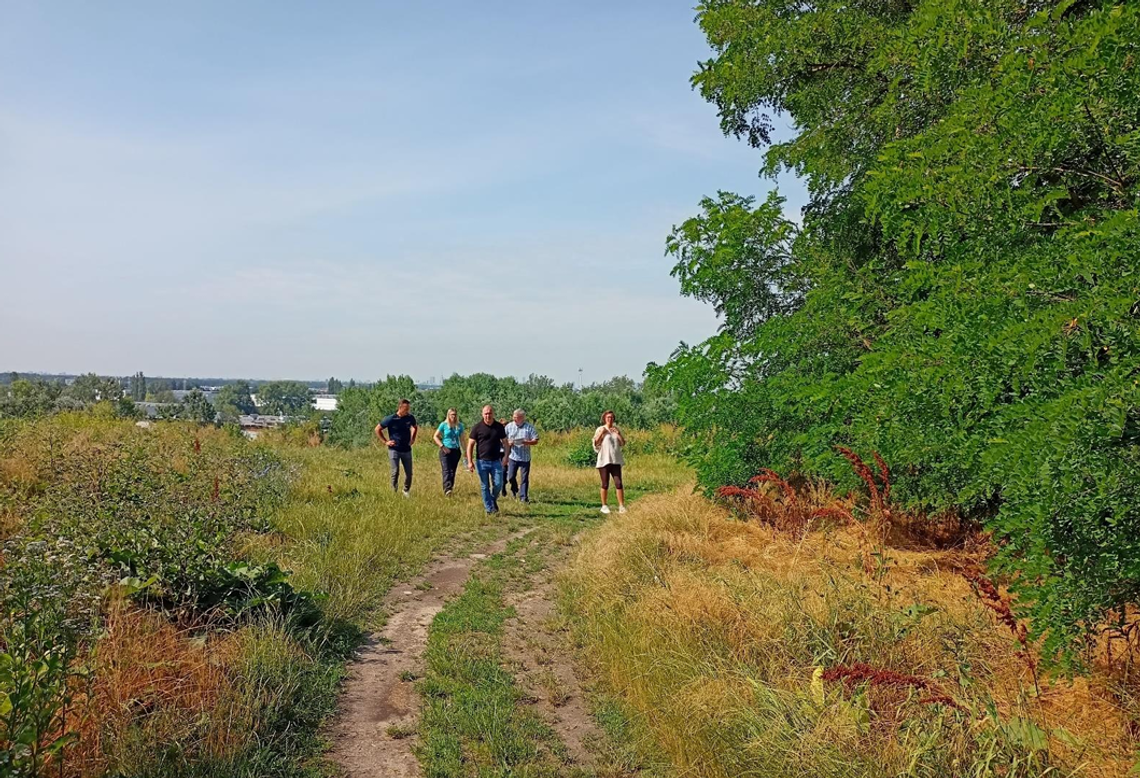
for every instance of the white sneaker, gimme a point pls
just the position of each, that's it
(407, 493)
(622, 509)
(605, 509)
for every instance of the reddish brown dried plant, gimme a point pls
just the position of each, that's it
(994, 600)
(867, 475)
(859, 672)
(767, 476)
(727, 492)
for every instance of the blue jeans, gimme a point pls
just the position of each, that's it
(490, 482)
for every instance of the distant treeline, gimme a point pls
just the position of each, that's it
(155, 384)
(551, 406)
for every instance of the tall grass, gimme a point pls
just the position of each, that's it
(208, 590)
(736, 649)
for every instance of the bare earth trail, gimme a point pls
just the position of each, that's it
(537, 654)
(374, 735)
(379, 705)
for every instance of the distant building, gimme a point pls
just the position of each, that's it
(253, 424)
(324, 402)
(180, 394)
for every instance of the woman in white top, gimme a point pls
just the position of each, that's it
(608, 442)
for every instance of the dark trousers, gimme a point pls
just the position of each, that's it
(397, 458)
(448, 463)
(518, 473)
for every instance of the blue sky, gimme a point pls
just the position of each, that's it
(294, 189)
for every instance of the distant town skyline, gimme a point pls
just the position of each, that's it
(286, 189)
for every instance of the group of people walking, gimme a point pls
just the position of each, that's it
(499, 453)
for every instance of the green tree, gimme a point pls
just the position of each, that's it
(962, 294)
(138, 387)
(90, 388)
(26, 398)
(233, 400)
(197, 407)
(285, 398)
(360, 409)
(333, 386)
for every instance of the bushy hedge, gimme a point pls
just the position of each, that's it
(963, 292)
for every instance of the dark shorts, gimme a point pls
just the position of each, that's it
(610, 470)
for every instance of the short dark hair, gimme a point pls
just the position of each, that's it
(404, 401)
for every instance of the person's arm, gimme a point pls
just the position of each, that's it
(415, 433)
(532, 441)
(471, 454)
(506, 444)
(600, 433)
(437, 439)
(620, 437)
(380, 434)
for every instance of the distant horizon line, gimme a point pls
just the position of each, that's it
(4, 374)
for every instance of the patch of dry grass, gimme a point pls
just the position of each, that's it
(714, 633)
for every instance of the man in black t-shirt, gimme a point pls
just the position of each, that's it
(487, 451)
(402, 431)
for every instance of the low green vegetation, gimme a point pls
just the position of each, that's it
(180, 601)
(476, 720)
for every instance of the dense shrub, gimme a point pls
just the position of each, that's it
(157, 515)
(962, 293)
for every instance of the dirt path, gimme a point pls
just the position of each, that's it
(374, 733)
(536, 649)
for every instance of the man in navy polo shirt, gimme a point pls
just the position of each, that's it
(402, 431)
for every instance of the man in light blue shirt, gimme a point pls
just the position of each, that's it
(522, 435)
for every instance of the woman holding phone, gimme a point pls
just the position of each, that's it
(608, 442)
(449, 438)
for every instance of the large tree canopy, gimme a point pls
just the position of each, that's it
(963, 294)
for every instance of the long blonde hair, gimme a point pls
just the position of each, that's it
(448, 418)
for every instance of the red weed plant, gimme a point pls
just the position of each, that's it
(1002, 606)
(767, 476)
(786, 514)
(859, 672)
(879, 508)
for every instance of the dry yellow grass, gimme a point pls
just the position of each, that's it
(709, 630)
(153, 683)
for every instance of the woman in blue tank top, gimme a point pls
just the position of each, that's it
(449, 438)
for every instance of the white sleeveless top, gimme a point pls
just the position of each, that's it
(609, 449)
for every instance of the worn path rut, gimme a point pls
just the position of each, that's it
(374, 733)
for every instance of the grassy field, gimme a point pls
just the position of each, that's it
(179, 601)
(734, 649)
(179, 646)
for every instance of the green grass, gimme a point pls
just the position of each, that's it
(476, 721)
(254, 696)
